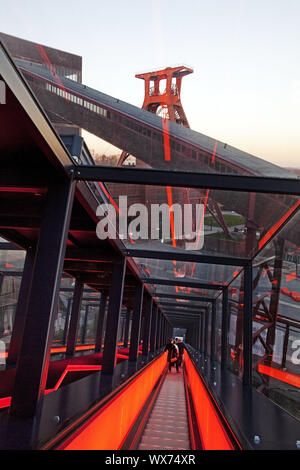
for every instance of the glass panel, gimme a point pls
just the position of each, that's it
(167, 269)
(63, 318)
(11, 269)
(173, 290)
(276, 318)
(227, 223)
(90, 334)
(218, 327)
(235, 337)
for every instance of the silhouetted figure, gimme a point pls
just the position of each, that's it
(172, 354)
(180, 347)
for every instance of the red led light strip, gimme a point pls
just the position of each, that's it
(281, 375)
(210, 419)
(276, 226)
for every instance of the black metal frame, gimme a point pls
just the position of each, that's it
(188, 179)
(37, 306)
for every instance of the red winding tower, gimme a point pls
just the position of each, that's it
(162, 95)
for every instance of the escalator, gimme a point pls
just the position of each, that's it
(167, 427)
(153, 410)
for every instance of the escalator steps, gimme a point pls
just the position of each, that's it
(167, 426)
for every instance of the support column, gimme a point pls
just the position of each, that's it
(21, 311)
(213, 332)
(199, 333)
(206, 331)
(136, 323)
(68, 312)
(113, 316)
(148, 316)
(247, 326)
(164, 341)
(126, 331)
(202, 334)
(86, 314)
(225, 324)
(34, 356)
(158, 333)
(74, 320)
(153, 329)
(99, 331)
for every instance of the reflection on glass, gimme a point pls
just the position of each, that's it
(235, 335)
(11, 268)
(276, 318)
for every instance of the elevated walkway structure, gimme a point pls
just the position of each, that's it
(84, 321)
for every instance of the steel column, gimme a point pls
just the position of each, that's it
(147, 330)
(74, 320)
(159, 319)
(225, 324)
(247, 326)
(126, 331)
(113, 316)
(66, 326)
(136, 323)
(34, 356)
(206, 332)
(285, 346)
(83, 333)
(213, 332)
(153, 329)
(99, 331)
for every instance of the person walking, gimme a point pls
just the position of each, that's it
(172, 354)
(180, 347)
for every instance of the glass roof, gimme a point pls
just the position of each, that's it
(214, 223)
(181, 290)
(226, 223)
(183, 270)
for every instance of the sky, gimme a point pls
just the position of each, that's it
(245, 88)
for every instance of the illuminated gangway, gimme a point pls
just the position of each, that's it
(109, 306)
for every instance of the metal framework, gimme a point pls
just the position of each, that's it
(59, 238)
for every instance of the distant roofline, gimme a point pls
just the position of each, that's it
(2, 34)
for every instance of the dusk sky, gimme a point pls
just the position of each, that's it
(245, 89)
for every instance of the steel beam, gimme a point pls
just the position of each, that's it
(75, 315)
(84, 326)
(188, 256)
(159, 327)
(188, 179)
(100, 323)
(213, 331)
(247, 326)
(225, 328)
(184, 283)
(113, 316)
(193, 297)
(136, 323)
(206, 328)
(126, 330)
(66, 326)
(153, 328)
(34, 356)
(177, 306)
(147, 329)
